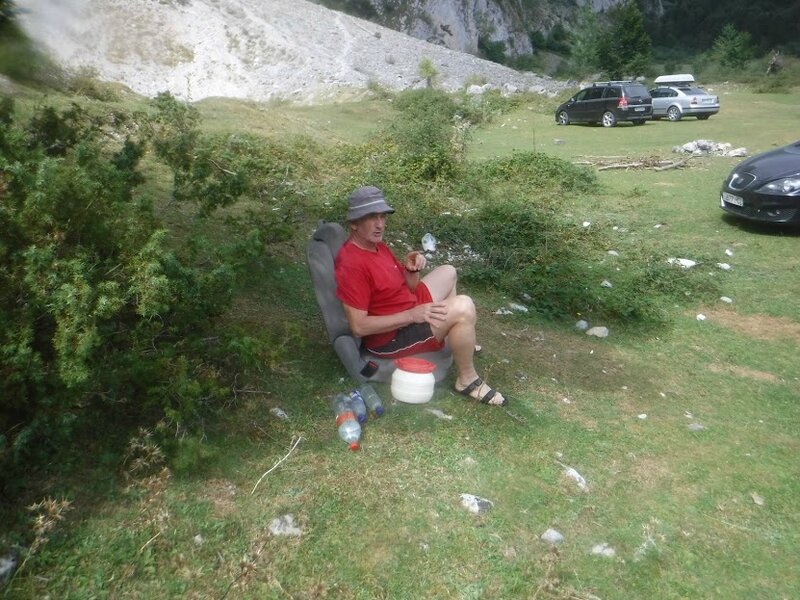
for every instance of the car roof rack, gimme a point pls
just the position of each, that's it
(612, 82)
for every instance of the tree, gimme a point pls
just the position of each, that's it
(624, 47)
(733, 48)
(584, 42)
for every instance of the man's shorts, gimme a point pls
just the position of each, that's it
(411, 339)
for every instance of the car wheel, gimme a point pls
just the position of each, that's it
(563, 118)
(609, 120)
(702, 117)
(674, 113)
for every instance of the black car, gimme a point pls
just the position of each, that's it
(607, 102)
(765, 187)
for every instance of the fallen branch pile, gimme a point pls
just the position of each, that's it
(656, 163)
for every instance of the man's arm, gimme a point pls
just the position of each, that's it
(362, 324)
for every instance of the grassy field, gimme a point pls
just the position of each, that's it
(686, 435)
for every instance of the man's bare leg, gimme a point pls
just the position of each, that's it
(459, 329)
(441, 282)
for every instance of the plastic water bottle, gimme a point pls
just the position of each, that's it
(359, 406)
(349, 429)
(371, 399)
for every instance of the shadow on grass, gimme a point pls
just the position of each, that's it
(759, 228)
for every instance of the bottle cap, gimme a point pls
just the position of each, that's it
(354, 446)
(379, 411)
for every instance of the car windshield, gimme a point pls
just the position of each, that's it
(694, 91)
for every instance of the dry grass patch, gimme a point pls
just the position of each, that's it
(762, 327)
(740, 371)
(650, 471)
(222, 494)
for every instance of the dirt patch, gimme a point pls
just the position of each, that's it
(760, 327)
(744, 372)
(222, 494)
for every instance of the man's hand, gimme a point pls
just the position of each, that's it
(415, 261)
(434, 313)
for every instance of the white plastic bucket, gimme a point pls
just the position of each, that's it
(413, 380)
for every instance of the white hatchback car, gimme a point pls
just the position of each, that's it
(677, 96)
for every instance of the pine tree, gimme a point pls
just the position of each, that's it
(624, 47)
(733, 48)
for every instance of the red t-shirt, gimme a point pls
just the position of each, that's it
(374, 282)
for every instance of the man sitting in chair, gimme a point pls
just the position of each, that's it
(394, 311)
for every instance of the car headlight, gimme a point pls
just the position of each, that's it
(787, 185)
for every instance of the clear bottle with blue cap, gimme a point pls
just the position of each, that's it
(371, 399)
(359, 406)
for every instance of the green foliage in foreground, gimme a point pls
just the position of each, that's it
(92, 300)
(101, 305)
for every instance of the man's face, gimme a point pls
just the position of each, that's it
(368, 231)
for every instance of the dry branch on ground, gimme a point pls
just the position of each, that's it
(607, 163)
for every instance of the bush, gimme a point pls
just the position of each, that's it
(422, 138)
(539, 171)
(97, 310)
(427, 141)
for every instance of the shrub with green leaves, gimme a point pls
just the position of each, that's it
(427, 140)
(423, 136)
(90, 291)
(100, 304)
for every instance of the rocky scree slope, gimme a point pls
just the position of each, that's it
(251, 49)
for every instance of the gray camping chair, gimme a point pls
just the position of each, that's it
(360, 364)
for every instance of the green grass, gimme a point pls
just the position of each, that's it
(678, 506)
(329, 123)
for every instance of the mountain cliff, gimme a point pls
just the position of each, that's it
(689, 24)
(464, 25)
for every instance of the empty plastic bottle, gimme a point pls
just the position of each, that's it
(346, 422)
(371, 399)
(359, 406)
(341, 403)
